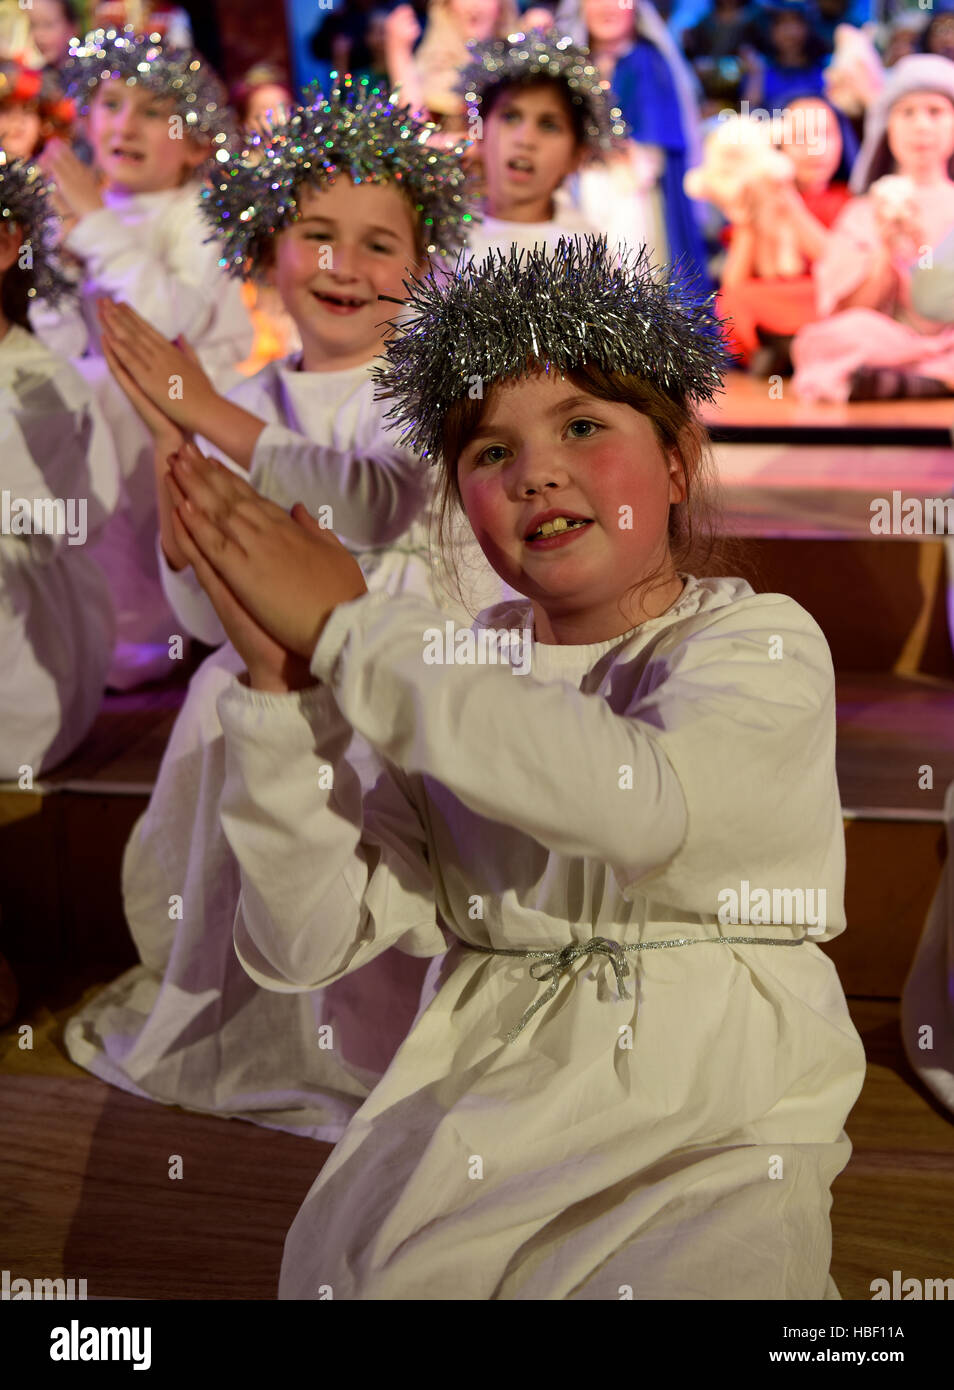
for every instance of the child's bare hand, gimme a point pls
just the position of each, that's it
(163, 430)
(288, 573)
(169, 376)
(77, 185)
(270, 666)
(401, 28)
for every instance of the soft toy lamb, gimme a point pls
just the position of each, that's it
(855, 74)
(741, 154)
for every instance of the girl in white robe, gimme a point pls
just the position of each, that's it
(59, 481)
(633, 1079)
(188, 1026)
(135, 230)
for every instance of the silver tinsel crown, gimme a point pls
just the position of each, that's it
(356, 131)
(144, 60)
(24, 202)
(544, 53)
(562, 307)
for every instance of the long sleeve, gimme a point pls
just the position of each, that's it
(726, 744)
(331, 875)
(55, 446)
(374, 493)
(512, 748)
(177, 288)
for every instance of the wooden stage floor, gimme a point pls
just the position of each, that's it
(84, 1185)
(85, 1191)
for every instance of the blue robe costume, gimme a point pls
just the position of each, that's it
(644, 91)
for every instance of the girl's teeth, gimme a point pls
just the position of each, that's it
(558, 524)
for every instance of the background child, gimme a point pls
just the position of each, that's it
(187, 1026)
(658, 95)
(539, 112)
(426, 77)
(135, 226)
(868, 340)
(56, 619)
(596, 816)
(768, 298)
(31, 112)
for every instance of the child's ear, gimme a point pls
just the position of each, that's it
(11, 239)
(577, 159)
(195, 153)
(677, 478)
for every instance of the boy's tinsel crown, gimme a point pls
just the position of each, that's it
(144, 60)
(544, 53)
(563, 307)
(356, 131)
(24, 202)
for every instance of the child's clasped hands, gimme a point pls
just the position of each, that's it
(274, 577)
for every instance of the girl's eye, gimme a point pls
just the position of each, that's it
(589, 426)
(382, 246)
(484, 455)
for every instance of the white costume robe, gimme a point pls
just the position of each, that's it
(927, 1000)
(677, 1144)
(56, 619)
(188, 1026)
(495, 234)
(151, 251)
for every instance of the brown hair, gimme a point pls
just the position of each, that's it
(696, 544)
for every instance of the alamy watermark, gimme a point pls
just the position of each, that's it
(808, 128)
(932, 516)
(487, 646)
(43, 516)
(748, 906)
(27, 1290)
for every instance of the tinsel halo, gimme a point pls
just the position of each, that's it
(355, 130)
(145, 60)
(24, 201)
(561, 308)
(545, 53)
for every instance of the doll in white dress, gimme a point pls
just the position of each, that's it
(633, 1077)
(187, 1025)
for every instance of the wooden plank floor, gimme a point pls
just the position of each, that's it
(747, 402)
(85, 1192)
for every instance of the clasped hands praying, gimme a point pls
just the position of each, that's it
(273, 577)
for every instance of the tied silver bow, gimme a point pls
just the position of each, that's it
(555, 964)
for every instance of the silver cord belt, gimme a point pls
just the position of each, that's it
(555, 964)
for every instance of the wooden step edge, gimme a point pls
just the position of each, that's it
(888, 813)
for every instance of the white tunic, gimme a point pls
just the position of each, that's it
(56, 619)
(679, 1144)
(495, 234)
(927, 999)
(188, 1026)
(149, 250)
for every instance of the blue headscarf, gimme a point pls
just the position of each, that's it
(659, 94)
(646, 94)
